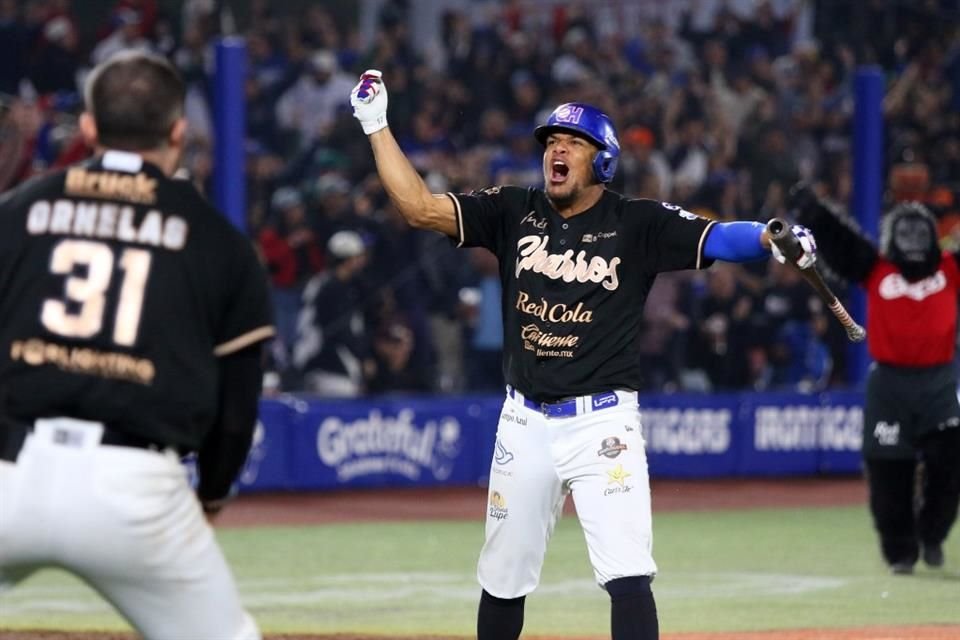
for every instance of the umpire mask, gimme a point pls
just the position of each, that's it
(908, 238)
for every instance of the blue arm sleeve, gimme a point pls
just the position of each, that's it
(735, 242)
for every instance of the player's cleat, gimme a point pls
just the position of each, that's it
(933, 556)
(901, 568)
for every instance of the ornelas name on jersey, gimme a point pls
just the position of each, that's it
(107, 220)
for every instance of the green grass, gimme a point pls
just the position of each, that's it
(727, 570)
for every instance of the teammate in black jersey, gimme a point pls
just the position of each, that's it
(133, 318)
(576, 263)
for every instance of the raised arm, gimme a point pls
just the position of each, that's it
(404, 186)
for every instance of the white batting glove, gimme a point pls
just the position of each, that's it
(805, 237)
(369, 100)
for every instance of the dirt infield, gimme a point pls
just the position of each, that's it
(938, 632)
(469, 502)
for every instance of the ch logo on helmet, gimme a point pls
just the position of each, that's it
(569, 114)
(611, 447)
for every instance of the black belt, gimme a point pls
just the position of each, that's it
(13, 433)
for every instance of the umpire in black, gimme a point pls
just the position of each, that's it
(134, 316)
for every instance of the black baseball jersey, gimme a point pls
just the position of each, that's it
(119, 289)
(574, 289)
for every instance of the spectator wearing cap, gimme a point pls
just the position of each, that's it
(126, 35)
(333, 351)
(147, 10)
(309, 107)
(330, 197)
(56, 61)
(646, 172)
(293, 255)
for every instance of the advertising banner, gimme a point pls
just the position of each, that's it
(304, 443)
(691, 435)
(841, 431)
(393, 442)
(791, 433)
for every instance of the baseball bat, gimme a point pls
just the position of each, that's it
(781, 235)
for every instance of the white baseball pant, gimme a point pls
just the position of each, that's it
(596, 454)
(126, 521)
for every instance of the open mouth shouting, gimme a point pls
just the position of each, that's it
(558, 172)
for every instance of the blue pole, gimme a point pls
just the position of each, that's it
(867, 188)
(229, 111)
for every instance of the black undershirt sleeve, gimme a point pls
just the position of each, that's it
(225, 448)
(849, 253)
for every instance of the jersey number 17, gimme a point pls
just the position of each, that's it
(88, 294)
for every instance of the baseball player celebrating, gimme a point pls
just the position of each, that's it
(576, 262)
(133, 319)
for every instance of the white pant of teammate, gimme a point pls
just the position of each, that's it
(126, 521)
(597, 456)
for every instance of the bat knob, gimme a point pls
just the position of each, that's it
(777, 227)
(856, 333)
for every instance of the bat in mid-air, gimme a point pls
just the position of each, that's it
(781, 235)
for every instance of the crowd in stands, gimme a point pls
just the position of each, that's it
(721, 106)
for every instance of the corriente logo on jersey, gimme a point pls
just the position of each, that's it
(547, 344)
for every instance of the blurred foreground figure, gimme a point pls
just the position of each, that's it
(133, 320)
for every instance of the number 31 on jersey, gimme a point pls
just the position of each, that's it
(84, 318)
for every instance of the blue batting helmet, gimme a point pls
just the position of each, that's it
(594, 125)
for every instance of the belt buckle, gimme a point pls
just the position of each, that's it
(555, 409)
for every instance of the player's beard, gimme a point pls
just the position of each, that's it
(564, 195)
(562, 200)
